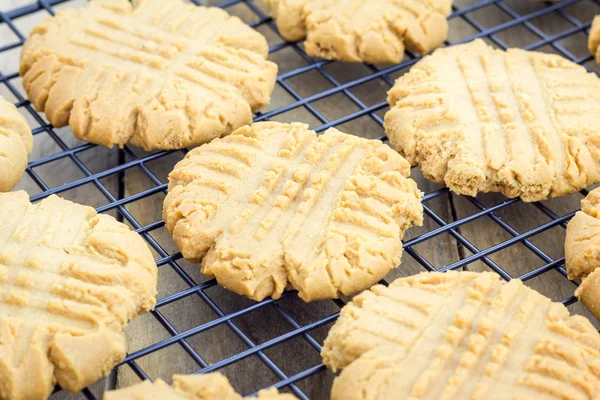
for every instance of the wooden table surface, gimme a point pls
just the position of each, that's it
(296, 355)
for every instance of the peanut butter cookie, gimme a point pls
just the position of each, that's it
(15, 145)
(70, 280)
(189, 387)
(582, 251)
(373, 31)
(594, 38)
(157, 74)
(483, 120)
(461, 335)
(273, 206)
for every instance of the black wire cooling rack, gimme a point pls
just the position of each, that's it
(574, 23)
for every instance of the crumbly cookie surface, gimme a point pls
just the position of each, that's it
(373, 31)
(582, 251)
(16, 142)
(70, 279)
(212, 386)
(594, 38)
(274, 205)
(461, 335)
(157, 74)
(484, 120)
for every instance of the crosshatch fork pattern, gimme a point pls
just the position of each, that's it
(452, 226)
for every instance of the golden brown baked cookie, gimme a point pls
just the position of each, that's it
(461, 335)
(273, 205)
(158, 74)
(594, 38)
(15, 145)
(484, 120)
(373, 31)
(70, 279)
(212, 386)
(582, 251)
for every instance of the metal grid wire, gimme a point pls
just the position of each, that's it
(128, 160)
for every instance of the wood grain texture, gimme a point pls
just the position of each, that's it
(266, 323)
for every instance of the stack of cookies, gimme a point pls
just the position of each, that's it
(269, 207)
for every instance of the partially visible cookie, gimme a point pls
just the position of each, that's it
(374, 31)
(15, 145)
(582, 251)
(461, 335)
(483, 120)
(594, 38)
(272, 206)
(212, 386)
(70, 280)
(156, 74)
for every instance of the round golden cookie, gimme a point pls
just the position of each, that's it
(461, 335)
(594, 38)
(70, 280)
(582, 251)
(16, 142)
(273, 206)
(374, 31)
(483, 120)
(157, 74)
(213, 386)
